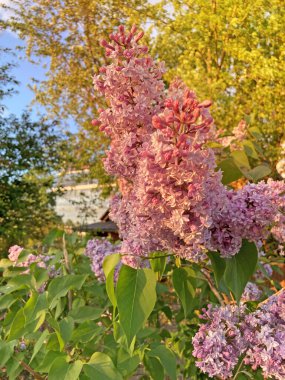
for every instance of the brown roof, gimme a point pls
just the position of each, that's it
(100, 227)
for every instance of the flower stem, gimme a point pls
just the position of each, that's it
(238, 370)
(212, 286)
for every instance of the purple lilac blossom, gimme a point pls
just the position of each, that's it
(219, 342)
(266, 271)
(97, 250)
(251, 293)
(229, 333)
(264, 332)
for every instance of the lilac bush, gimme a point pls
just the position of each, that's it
(192, 235)
(174, 200)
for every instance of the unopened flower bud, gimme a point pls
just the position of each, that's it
(95, 122)
(134, 29)
(157, 122)
(205, 104)
(106, 45)
(139, 36)
(176, 106)
(168, 103)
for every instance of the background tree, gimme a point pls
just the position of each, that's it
(30, 152)
(231, 52)
(7, 81)
(68, 33)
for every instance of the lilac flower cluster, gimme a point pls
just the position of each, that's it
(249, 214)
(239, 133)
(135, 91)
(162, 139)
(42, 261)
(251, 293)
(278, 230)
(265, 336)
(172, 195)
(266, 269)
(14, 252)
(97, 250)
(219, 343)
(230, 333)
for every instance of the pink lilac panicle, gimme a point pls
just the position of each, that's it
(42, 261)
(130, 121)
(239, 133)
(174, 199)
(134, 89)
(14, 252)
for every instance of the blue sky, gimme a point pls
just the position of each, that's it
(23, 72)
